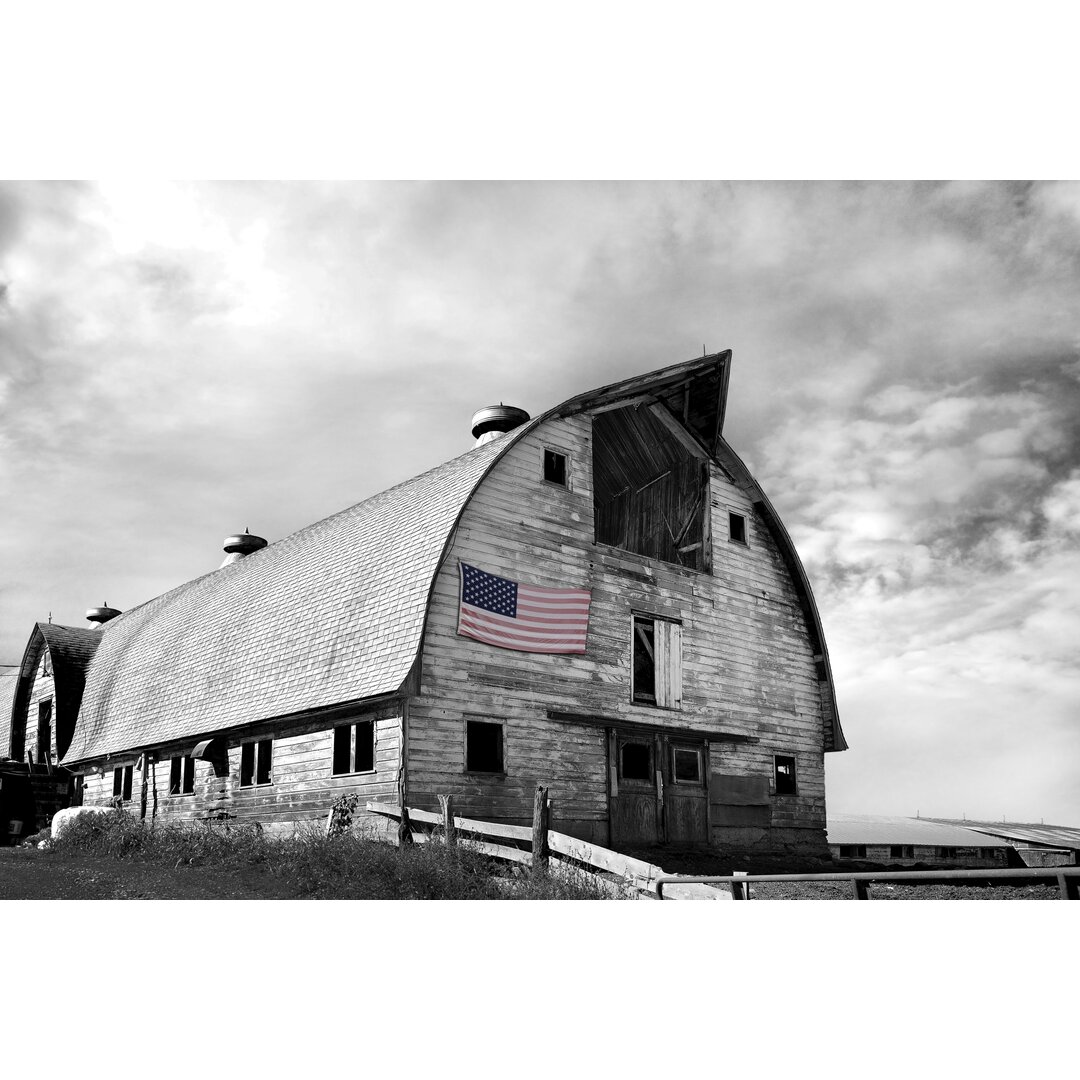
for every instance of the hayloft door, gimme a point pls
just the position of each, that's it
(685, 795)
(634, 789)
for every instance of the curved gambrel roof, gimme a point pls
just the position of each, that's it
(70, 650)
(334, 613)
(331, 614)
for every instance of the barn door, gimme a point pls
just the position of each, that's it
(685, 794)
(635, 788)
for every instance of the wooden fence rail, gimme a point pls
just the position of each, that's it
(536, 845)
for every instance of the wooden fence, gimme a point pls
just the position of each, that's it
(540, 846)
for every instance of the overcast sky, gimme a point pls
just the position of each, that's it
(181, 361)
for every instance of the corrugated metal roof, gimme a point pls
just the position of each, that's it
(878, 829)
(330, 614)
(1063, 836)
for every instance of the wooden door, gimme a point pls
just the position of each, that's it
(635, 784)
(686, 819)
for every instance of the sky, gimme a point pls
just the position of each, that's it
(181, 361)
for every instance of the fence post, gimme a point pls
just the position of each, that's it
(404, 832)
(860, 890)
(447, 804)
(740, 890)
(541, 812)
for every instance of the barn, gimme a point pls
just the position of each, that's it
(906, 842)
(600, 599)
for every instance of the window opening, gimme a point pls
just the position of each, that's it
(656, 662)
(181, 776)
(852, 851)
(555, 467)
(122, 782)
(255, 762)
(737, 528)
(685, 765)
(901, 851)
(354, 748)
(483, 747)
(635, 761)
(44, 731)
(947, 853)
(784, 773)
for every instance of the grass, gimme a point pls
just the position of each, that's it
(312, 865)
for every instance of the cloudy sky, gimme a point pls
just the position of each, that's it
(181, 361)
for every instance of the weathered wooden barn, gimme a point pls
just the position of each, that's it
(600, 599)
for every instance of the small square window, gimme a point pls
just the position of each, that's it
(737, 528)
(555, 467)
(354, 748)
(635, 761)
(784, 774)
(685, 765)
(483, 747)
(256, 759)
(852, 851)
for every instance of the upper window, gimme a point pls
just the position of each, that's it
(354, 748)
(656, 661)
(483, 747)
(256, 760)
(784, 774)
(737, 528)
(121, 785)
(44, 731)
(556, 470)
(181, 776)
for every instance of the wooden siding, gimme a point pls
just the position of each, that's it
(747, 662)
(303, 786)
(43, 689)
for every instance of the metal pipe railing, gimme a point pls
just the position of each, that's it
(1067, 878)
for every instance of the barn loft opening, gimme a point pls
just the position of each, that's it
(650, 492)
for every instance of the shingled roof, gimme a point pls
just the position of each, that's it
(331, 614)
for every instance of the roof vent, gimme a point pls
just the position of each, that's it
(102, 614)
(236, 547)
(495, 420)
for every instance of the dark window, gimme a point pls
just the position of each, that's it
(483, 747)
(555, 467)
(901, 851)
(44, 731)
(737, 528)
(656, 661)
(354, 748)
(784, 772)
(644, 659)
(635, 761)
(255, 762)
(685, 765)
(77, 795)
(121, 787)
(181, 776)
(947, 853)
(852, 851)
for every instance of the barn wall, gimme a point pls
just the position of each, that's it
(44, 689)
(747, 664)
(303, 788)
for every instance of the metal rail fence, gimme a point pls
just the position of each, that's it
(1067, 878)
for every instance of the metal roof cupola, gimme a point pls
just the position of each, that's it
(495, 420)
(239, 545)
(101, 615)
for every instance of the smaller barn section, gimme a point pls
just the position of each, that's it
(900, 842)
(1035, 845)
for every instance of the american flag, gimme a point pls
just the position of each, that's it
(527, 618)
